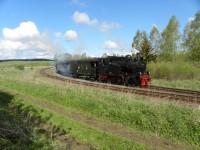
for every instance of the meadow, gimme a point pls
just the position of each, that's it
(97, 118)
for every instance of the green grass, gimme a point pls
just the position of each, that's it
(182, 84)
(168, 120)
(6, 64)
(164, 119)
(99, 139)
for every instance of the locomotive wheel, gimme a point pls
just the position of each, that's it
(132, 81)
(120, 81)
(110, 81)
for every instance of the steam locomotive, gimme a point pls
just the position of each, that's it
(112, 69)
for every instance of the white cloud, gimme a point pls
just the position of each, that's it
(78, 2)
(25, 41)
(84, 18)
(117, 47)
(11, 45)
(71, 35)
(25, 30)
(111, 45)
(107, 26)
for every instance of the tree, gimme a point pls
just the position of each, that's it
(83, 56)
(147, 51)
(104, 55)
(155, 38)
(192, 38)
(170, 39)
(187, 30)
(137, 40)
(144, 46)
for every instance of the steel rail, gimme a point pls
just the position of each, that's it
(174, 89)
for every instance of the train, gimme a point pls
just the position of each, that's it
(120, 70)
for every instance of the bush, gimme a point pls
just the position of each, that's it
(20, 67)
(174, 70)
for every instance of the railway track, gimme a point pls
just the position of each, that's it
(154, 91)
(174, 89)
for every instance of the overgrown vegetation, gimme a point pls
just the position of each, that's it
(174, 71)
(17, 130)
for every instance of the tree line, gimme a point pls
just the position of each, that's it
(170, 43)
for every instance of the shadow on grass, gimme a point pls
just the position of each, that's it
(5, 116)
(13, 131)
(18, 129)
(5, 99)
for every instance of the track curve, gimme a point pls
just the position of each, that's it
(154, 91)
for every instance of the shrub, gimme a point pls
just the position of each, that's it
(174, 70)
(19, 67)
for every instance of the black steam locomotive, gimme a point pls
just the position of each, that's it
(112, 69)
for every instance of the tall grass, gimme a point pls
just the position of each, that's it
(167, 120)
(98, 139)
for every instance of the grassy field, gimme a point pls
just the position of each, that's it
(24, 63)
(98, 118)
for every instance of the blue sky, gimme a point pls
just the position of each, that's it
(77, 26)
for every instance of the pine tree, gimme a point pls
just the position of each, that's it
(144, 46)
(147, 51)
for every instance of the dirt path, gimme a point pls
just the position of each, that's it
(115, 129)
